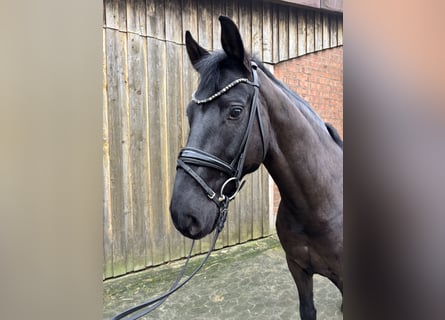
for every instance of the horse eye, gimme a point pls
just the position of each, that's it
(235, 112)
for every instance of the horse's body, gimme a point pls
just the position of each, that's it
(301, 153)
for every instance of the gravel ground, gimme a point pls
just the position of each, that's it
(248, 281)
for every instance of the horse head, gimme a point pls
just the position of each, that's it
(226, 139)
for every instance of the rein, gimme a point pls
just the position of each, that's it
(156, 302)
(197, 157)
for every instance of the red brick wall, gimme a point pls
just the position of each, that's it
(317, 78)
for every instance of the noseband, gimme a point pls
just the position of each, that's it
(194, 156)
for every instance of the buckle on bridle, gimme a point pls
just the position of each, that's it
(211, 196)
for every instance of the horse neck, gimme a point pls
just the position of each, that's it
(302, 158)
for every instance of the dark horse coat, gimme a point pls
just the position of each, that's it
(303, 155)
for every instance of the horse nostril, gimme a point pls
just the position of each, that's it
(194, 226)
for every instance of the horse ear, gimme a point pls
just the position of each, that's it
(194, 50)
(231, 40)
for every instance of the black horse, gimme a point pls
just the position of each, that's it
(240, 117)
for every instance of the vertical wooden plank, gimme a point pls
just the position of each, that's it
(126, 161)
(205, 24)
(267, 32)
(155, 19)
(275, 37)
(293, 32)
(310, 31)
(232, 222)
(326, 34)
(265, 204)
(107, 213)
(301, 33)
(246, 213)
(245, 23)
(116, 14)
(138, 104)
(119, 150)
(158, 146)
(318, 31)
(257, 30)
(111, 13)
(333, 29)
(175, 117)
(136, 17)
(122, 15)
(340, 30)
(173, 26)
(232, 11)
(256, 205)
(189, 18)
(219, 8)
(283, 27)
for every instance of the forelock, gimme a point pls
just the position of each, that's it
(209, 69)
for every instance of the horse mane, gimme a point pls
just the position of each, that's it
(334, 134)
(209, 68)
(327, 127)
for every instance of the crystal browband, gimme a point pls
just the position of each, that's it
(222, 91)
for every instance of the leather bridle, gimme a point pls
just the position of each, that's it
(193, 156)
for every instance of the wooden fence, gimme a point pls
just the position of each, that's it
(148, 82)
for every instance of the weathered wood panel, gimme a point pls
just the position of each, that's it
(326, 31)
(301, 33)
(139, 147)
(155, 19)
(205, 25)
(107, 217)
(116, 14)
(333, 30)
(157, 90)
(148, 82)
(118, 128)
(267, 32)
(257, 31)
(218, 9)
(318, 31)
(293, 36)
(174, 118)
(340, 31)
(283, 32)
(275, 34)
(310, 32)
(136, 16)
(232, 11)
(245, 23)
